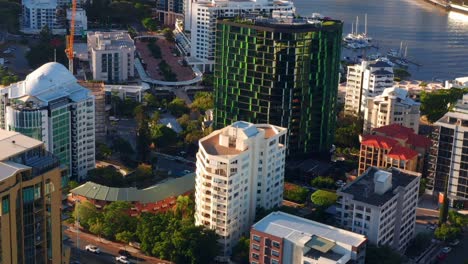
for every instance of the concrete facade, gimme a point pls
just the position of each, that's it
(111, 56)
(239, 168)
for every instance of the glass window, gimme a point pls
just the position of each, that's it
(256, 238)
(5, 204)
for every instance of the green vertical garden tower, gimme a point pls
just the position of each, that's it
(280, 71)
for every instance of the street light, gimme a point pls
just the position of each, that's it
(77, 225)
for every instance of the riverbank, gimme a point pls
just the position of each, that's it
(449, 6)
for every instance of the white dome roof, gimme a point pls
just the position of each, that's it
(47, 77)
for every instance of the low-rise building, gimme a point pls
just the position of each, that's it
(111, 56)
(393, 146)
(381, 205)
(393, 106)
(281, 238)
(31, 196)
(155, 199)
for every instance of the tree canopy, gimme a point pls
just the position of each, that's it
(241, 250)
(323, 182)
(447, 232)
(323, 198)
(203, 101)
(178, 107)
(295, 193)
(85, 213)
(382, 255)
(435, 104)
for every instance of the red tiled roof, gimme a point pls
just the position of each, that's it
(419, 141)
(377, 141)
(402, 153)
(401, 132)
(394, 130)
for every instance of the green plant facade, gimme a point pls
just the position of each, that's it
(280, 74)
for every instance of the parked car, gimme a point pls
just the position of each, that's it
(455, 242)
(122, 259)
(93, 248)
(442, 256)
(446, 250)
(124, 253)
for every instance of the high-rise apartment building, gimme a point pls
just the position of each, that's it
(381, 205)
(50, 105)
(281, 238)
(169, 10)
(239, 168)
(281, 71)
(393, 106)
(394, 146)
(448, 161)
(111, 56)
(200, 20)
(366, 80)
(37, 14)
(30, 193)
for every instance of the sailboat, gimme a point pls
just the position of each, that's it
(355, 39)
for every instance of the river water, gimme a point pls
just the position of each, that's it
(436, 39)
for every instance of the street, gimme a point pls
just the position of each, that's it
(109, 250)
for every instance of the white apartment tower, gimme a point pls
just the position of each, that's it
(50, 105)
(448, 169)
(81, 20)
(200, 20)
(364, 81)
(381, 205)
(239, 168)
(393, 106)
(37, 14)
(112, 56)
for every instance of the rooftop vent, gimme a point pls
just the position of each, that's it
(382, 182)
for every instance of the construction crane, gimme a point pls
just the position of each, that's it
(70, 38)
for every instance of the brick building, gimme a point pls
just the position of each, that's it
(393, 146)
(158, 198)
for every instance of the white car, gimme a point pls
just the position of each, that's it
(455, 242)
(93, 248)
(122, 259)
(446, 250)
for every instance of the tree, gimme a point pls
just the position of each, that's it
(103, 151)
(72, 185)
(323, 182)
(150, 24)
(97, 228)
(85, 213)
(116, 218)
(295, 193)
(203, 101)
(435, 104)
(401, 73)
(10, 11)
(185, 206)
(382, 255)
(151, 100)
(420, 243)
(124, 237)
(323, 198)
(163, 136)
(457, 219)
(122, 147)
(143, 133)
(108, 176)
(422, 186)
(240, 252)
(178, 107)
(446, 232)
(168, 34)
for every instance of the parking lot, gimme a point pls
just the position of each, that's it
(174, 166)
(15, 56)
